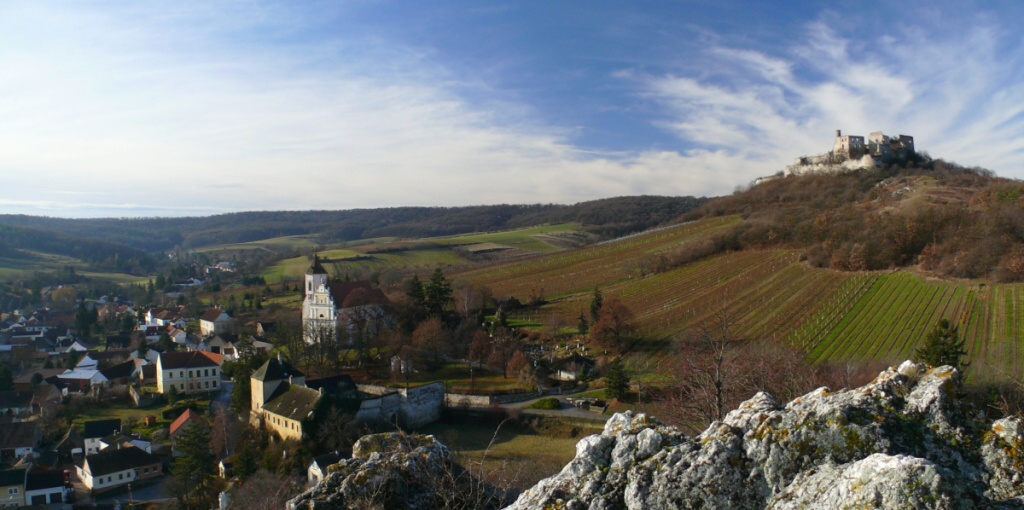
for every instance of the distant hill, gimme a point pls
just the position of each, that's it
(606, 217)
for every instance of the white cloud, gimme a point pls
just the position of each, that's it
(178, 109)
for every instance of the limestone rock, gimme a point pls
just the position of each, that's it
(902, 441)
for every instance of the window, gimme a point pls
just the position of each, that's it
(190, 373)
(207, 384)
(182, 386)
(145, 470)
(214, 384)
(206, 372)
(120, 476)
(12, 491)
(170, 375)
(181, 373)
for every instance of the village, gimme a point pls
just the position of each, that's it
(98, 422)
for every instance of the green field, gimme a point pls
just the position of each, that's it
(275, 243)
(526, 238)
(23, 267)
(293, 269)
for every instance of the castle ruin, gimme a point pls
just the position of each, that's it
(851, 152)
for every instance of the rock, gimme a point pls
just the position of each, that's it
(902, 441)
(905, 440)
(384, 468)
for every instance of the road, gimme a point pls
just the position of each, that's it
(567, 410)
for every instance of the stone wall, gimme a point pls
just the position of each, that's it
(413, 407)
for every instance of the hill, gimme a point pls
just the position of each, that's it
(606, 217)
(773, 259)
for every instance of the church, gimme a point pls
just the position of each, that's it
(330, 307)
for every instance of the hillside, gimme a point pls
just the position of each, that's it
(762, 264)
(606, 217)
(951, 221)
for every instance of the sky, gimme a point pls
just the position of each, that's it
(131, 109)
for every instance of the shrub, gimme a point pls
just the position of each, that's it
(550, 403)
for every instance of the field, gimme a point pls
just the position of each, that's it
(772, 295)
(426, 253)
(272, 244)
(23, 267)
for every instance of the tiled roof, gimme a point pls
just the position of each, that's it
(113, 460)
(212, 314)
(15, 399)
(294, 404)
(10, 477)
(275, 370)
(340, 292)
(124, 369)
(44, 480)
(191, 359)
(184, 418)
(17, 435)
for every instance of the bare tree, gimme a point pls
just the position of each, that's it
(711, 379)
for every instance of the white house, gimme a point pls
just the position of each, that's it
(78, 379)
(45, 487)
(188, 372)
(317, 468)
(214, 321)
(94, 431)
(115, 467)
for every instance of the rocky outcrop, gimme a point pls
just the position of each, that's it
(393, 470)
(902, 441)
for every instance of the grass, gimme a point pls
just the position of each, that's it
(298, 241)
(522, 456)
(524, 238)
(355, 260)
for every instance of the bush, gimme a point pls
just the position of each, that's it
(550, 403)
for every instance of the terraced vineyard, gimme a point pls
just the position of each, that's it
(833, 316)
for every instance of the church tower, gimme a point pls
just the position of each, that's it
(319, 313)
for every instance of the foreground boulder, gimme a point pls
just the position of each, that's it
(902, 441)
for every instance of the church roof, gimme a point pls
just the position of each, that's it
(342, 291)
(316, 267)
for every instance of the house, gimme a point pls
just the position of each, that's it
(18, 439)
(115, 467)
(45, 487)
(122, 440)
(79, 380)
(214, 321)
(71, 445)
(122, 373)
(573, 368)
(15, 403)
(24, 381)
(94, 431)
(317, 469)
(188, 372)
(280, 398)
(45, 397)
(187, 419)
(12, 487)
(220, 345)
(178, 336)
(327, 306)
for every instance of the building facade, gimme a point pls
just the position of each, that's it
(187, 372)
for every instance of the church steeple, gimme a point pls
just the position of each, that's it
(316, 276)
(316, 267)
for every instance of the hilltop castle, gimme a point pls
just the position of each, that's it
(850, 152)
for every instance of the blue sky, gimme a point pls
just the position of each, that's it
(190, 108)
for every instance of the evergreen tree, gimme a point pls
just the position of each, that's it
(616, 380)
(595, 305)
(581, 324)
(943, 346)
(414, 290)
(6, 378)
(438, 293)
(195, 467)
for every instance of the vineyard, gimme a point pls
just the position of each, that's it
(772, 295)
